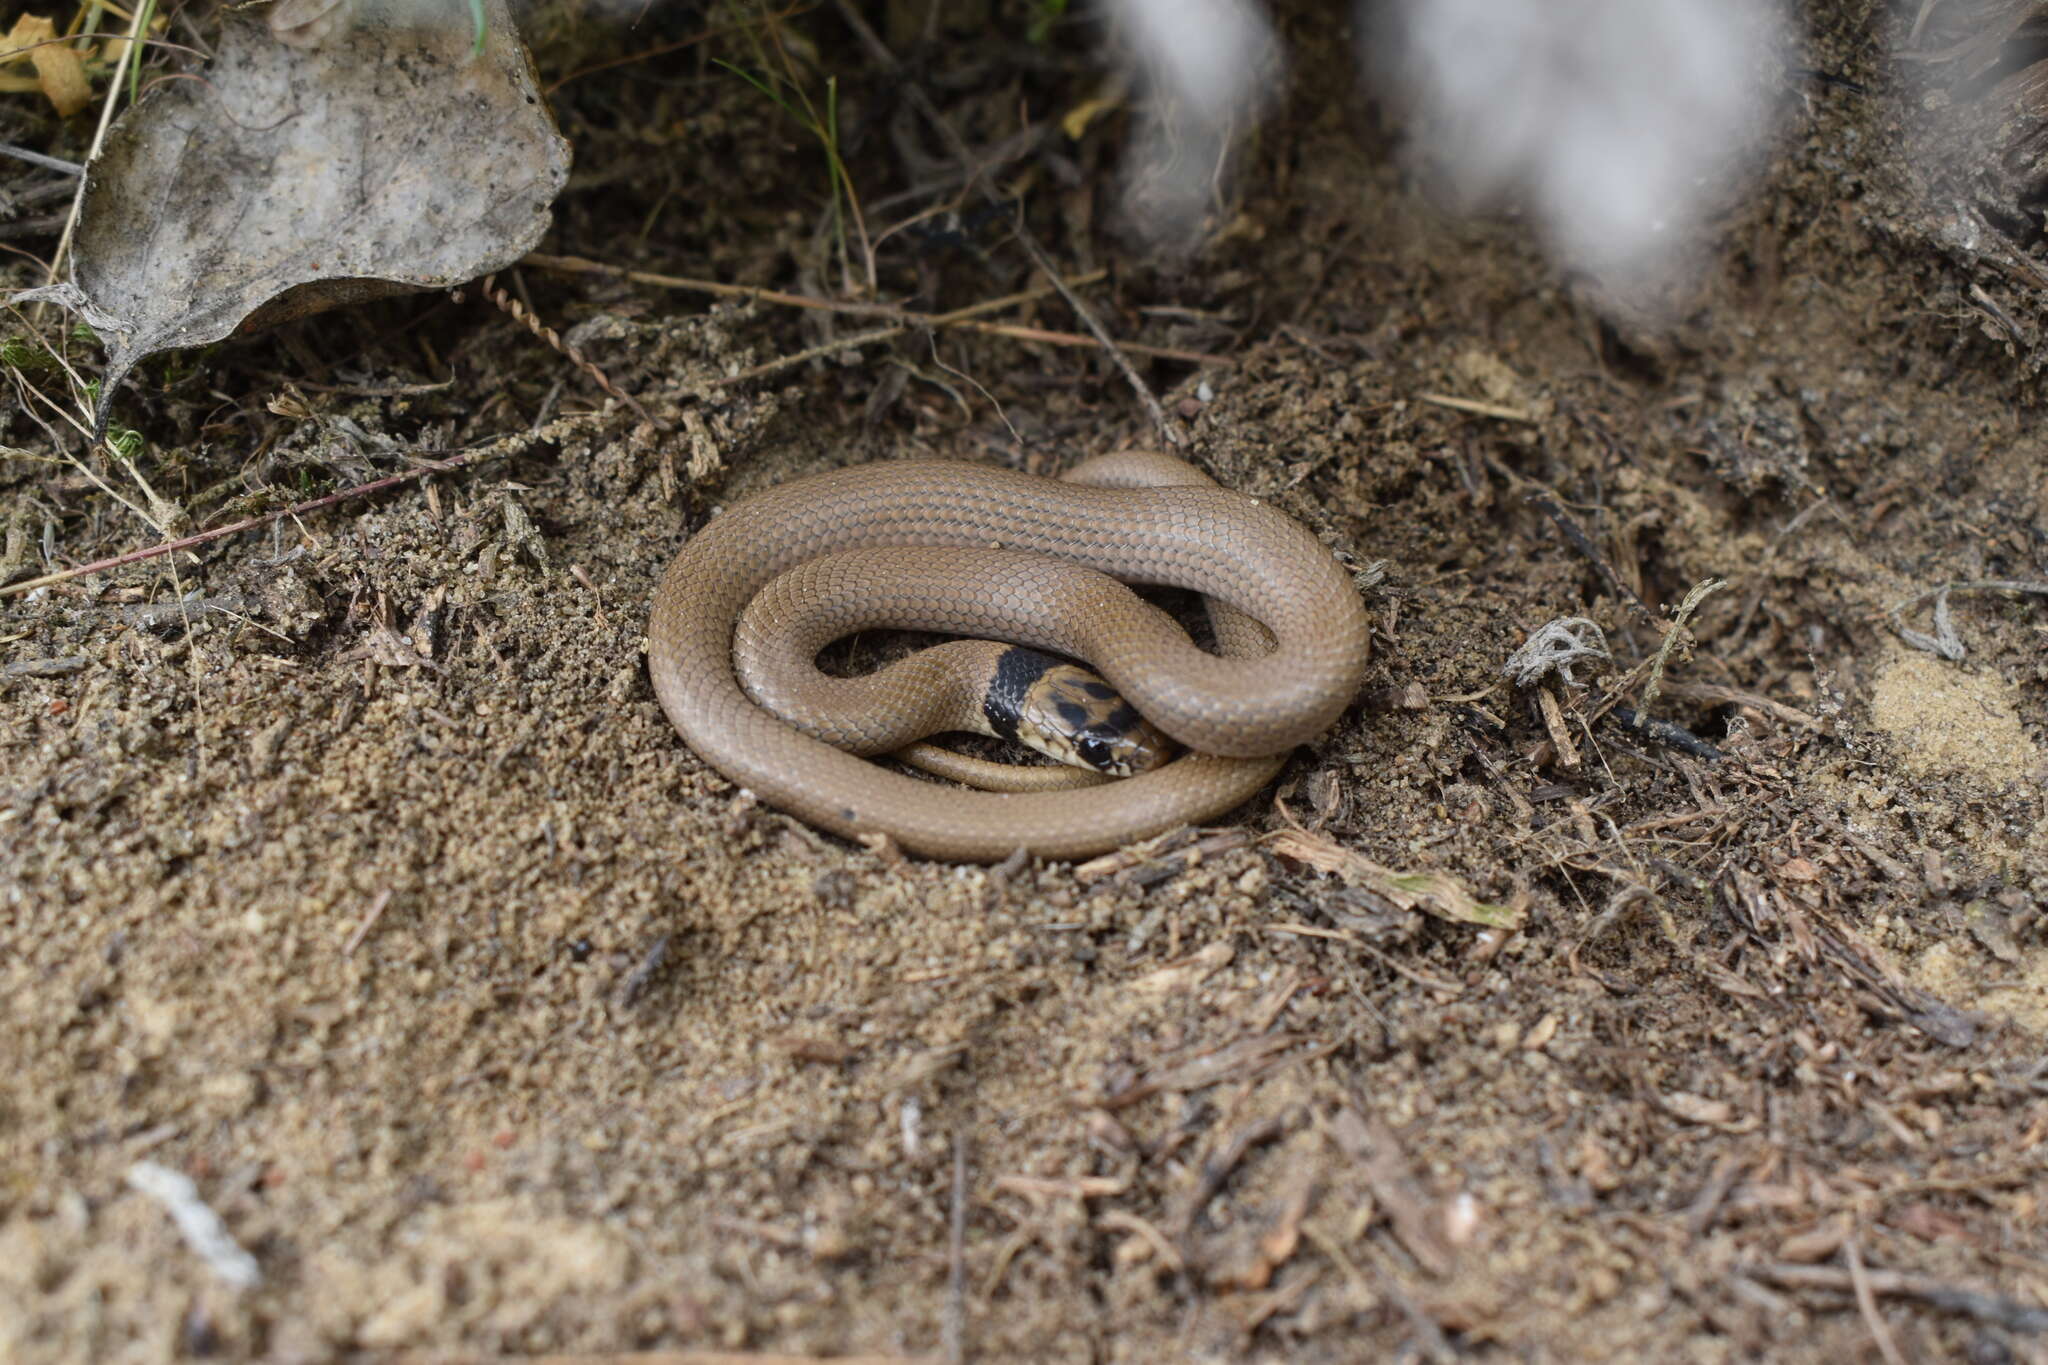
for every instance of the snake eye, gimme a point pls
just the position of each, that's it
(1093, 750)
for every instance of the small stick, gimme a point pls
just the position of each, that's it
(650, 962)
(1548, 504)
(903, 318)
(1699, 593)
(507, 445)
(48, 163)
(355, 940)
(685, 1356)
(525, 316)
(902, 321)
(1945, 642)
(1668, 732)
(1009, 329)
(1986, 1307)
(953, 1329)
(1866, 1303)
(1560, 737)
(580, 265)
(1444, 400)
(1715, 694)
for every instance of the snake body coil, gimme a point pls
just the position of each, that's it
(1240, 715)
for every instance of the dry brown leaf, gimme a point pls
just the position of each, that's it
(1435, 893)
(59, 72)
(293, 179)
(28, 30)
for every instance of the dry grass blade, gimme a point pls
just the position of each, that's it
(1436, 893)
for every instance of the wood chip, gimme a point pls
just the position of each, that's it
(1416, 1218)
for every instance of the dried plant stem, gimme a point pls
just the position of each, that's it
(1672, 635)
(99, 136)
(520, 313)
(578, 265)
(505, 445)
(901, 321)
(246, 524)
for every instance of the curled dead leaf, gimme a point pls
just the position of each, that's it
(293, 179)
(59, 72)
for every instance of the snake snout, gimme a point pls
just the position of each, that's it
(1123, 746)
(1072, 715)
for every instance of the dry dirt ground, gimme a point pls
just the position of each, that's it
(371, 891)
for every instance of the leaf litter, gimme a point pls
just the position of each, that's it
(378, 152)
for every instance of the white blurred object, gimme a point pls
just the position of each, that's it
(1209, 67)
(1615, 122)
(1209, 54)
(201, 1226)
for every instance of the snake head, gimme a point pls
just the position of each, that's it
(1074, 716)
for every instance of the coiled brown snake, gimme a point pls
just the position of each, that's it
(1239, 715)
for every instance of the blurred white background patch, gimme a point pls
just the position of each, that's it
(1613, 124)
(1209, 68)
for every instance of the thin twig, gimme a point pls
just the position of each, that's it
(48, 163)
(1039, 334)
(507, 445)
(903, 318)
(650, 962)
(1716, 695)
(99, 136)
(959, 317)
(525, 316)
(1505, 414)
(1975, 1303)
(1701, 590)
(580, 265)
(684, 1356)
(953, 1328)
(362, 930)
(810, 353)
(28, 390)
(1945, 642)
(1667, 732)
(1866, 1303)
(246, 524)
(663, 49)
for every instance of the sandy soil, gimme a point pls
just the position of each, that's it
(372, 892)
